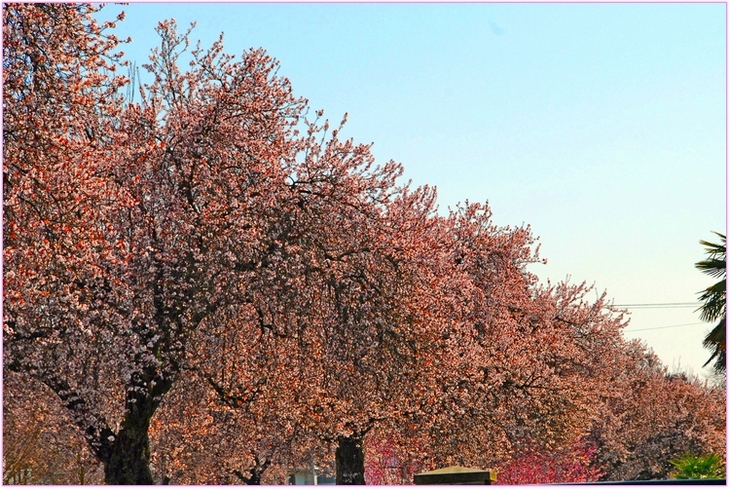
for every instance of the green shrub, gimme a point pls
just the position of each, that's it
(690, 466)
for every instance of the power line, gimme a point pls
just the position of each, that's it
(662, 327)
(660, 305)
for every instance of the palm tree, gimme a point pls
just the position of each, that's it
(714, 301)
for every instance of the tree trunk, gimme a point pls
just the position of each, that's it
(129, 462)
(129, 459)
(257, 471)
(125, 455)
(350, 461)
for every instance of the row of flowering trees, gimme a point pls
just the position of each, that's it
(208, 286)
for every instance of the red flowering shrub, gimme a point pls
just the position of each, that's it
(542, 466)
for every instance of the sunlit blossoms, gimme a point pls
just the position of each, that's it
(212, 285)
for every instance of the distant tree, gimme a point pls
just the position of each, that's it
(650, 417)
(714, 300)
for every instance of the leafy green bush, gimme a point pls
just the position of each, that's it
(690, 466)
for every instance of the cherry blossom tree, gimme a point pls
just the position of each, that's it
(342, 314)
(126, 226)
(522, 347)
(651, 417)
(196, 216)
(59, 120)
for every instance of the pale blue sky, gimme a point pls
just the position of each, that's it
(603, 126)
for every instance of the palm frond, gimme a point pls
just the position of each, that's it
(715, 341)
(714, 300)
(713, 267)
